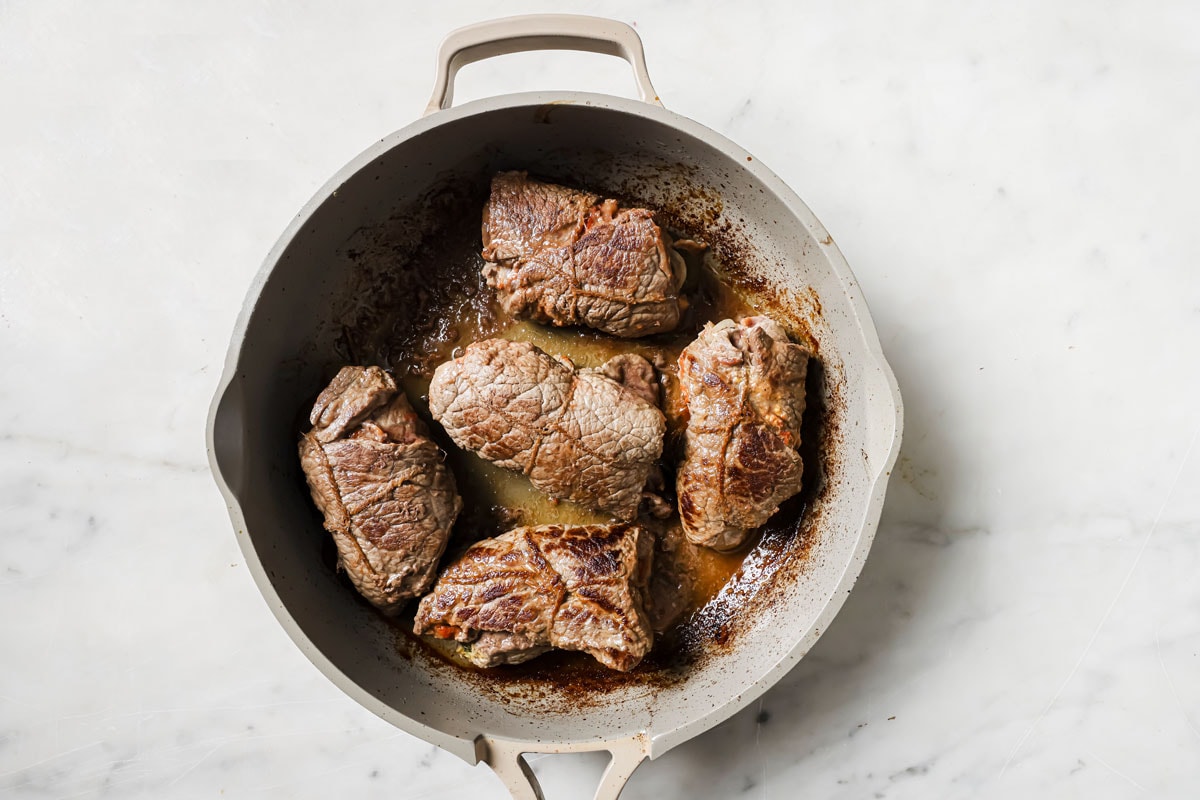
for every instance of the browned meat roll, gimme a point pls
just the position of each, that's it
(388, 499)
(514, 597)
(563, 256)
(591, 436)
(743, 384)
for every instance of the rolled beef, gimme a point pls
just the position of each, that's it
(514, 597)
(387, 498)
(743, 383)
(566, 257)
(591, 436)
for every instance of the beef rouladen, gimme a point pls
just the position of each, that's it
(388, 499)
(514, 597)
(566, 257)
(743, 383)
(591, 436)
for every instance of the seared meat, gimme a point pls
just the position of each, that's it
(388, 499)
(579, 435)
(522, 215)
(514, 597)
(744, 388)
(562, 256)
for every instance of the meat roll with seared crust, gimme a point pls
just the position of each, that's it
(591, 436)
(388, 499)
(514, 597)
(565, 257)
(743, 383)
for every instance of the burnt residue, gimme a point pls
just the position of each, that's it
(397, 313)
(417, 297)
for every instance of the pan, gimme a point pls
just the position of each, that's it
(314, 291)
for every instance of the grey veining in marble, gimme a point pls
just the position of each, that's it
(1014, 185)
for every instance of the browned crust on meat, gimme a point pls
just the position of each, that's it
(578, 435)
(561, 256)
(387, 499)
(744, 388)
(569, 587)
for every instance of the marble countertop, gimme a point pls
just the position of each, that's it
(1013, 184)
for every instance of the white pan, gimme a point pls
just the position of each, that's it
(287, 343)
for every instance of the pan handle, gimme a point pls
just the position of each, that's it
(499, 37)
(508, 762)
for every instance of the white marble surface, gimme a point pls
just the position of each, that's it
(1014, 185)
